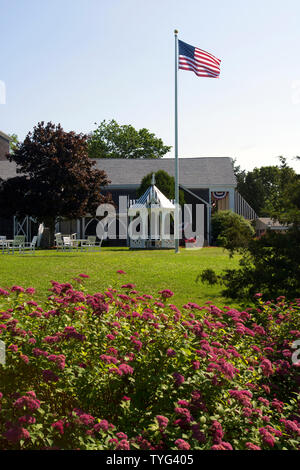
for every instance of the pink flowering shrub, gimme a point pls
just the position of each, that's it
(120, 370)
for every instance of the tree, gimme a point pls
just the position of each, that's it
(286, 208)
(262, 187)
(110, 140)
(231, 231)
(270, 264)
(164, 182)
(14, 141)
(58, 178)
(238, 173)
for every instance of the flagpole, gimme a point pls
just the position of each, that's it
(176, 220)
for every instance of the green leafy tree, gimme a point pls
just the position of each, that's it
(14, 142)
(111, 140)
(270, 264)
(286, 208)
(231, 231)
(262, 187)
(57, 177)
(238, 172)
(164, 182)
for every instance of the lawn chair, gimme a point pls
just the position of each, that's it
(74, 241)
(59, 243)
(67, 243)
(100, 243)
(2, 243)
(30, 246)
(90, 243)
(18, 243)
(86, 244)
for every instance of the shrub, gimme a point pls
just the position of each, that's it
(231, 231)
(209, 276)
(122, 370)
(270, 265)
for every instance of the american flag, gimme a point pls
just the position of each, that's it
(202, 63)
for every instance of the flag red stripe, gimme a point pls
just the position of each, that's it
(206, 61)
(202, 53)
(214, 68)
(186, 62)
(200, 73)
(190, 67)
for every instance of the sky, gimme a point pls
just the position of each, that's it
(77, 62)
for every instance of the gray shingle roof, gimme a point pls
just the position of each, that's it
(201, 172)
(193, 172)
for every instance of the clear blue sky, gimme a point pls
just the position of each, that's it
(78, 62)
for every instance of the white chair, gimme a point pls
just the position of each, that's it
(74, 241)
(30, 246)
(67, 243)
(59, 243)
(2, 242)
(90, 243)
(100, 244)
(18, 243)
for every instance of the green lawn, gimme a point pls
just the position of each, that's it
(151, 271)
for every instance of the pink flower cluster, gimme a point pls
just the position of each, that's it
(194, 377)
(28, 401)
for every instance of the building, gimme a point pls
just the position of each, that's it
(205, 180)
(201, 179)
(6, 169)
(262, 224)
(4, 146)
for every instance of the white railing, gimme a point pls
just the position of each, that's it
(242, 207)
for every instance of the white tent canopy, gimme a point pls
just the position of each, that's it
(153, 201)
(152, 198)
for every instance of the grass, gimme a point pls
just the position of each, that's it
(150, 271)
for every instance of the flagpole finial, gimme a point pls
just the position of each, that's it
(176, 31)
